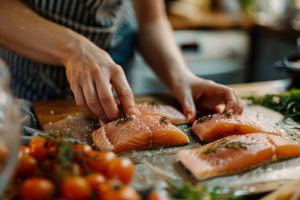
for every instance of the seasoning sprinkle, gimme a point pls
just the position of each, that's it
(154, 103)
(228, 114)
(123, 118)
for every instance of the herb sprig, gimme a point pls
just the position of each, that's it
(230, 145)
(287, 103)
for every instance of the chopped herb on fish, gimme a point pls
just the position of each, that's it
(154, 103)
(127, 127)
(230, 145)
(123, 118)
(228, 114)
(202, 119)
(164, 119)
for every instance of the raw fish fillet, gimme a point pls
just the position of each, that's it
(257, 148)
(218, 126)
(144, 132)
(175, 116)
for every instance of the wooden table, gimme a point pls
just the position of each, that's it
(52, 111)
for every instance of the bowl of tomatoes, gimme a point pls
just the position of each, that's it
(54, 167)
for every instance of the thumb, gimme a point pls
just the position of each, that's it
(186, 100)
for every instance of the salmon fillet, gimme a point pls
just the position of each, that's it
(175, 116)
(144, 132)
(236, 153)
(217, 126)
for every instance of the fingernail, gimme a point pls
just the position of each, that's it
(189, 117)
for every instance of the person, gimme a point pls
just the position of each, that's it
(55, 48)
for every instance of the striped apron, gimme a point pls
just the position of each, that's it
(110, 24)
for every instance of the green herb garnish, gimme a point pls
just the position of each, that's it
(164, 119)
(230, 145)
(228, 114)
(127, 127)
(154, 103)
(123, 118)
(202, 119)
(287, 103)
(187, 191)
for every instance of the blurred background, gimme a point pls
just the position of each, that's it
(228, 41)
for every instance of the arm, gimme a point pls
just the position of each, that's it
(90, 71)
(157, 44)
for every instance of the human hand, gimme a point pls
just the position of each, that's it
(196, 93)
(92, 74)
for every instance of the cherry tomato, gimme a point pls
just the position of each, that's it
(38, 151)
(52, 151)
(82, 151)
(75, 188)
(115, 190)
(102, 159)
(37, 140)
(157, 196)
(37, 189)
(73, 170)
(95, 180)
(4, 152)
(26, 167)
(24, 150)
(121, 168)
(48, 165)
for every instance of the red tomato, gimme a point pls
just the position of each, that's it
(26, 167)
(75, 188)
(121, 168)
(24, 150)
(48, 165)
(115, 190)
(36, 189)
(95, 180)
(52, 151)
(102, 159)
(157, 196)
(38, 151)
(4, 152)
(37, 140)
(82, 151)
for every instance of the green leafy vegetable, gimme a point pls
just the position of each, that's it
(154, 103)
(228, 114)
(287, 103)
(186, 191)
(123, 118)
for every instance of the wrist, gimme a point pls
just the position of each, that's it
(71, 47)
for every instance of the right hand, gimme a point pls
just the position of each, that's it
(92, 73)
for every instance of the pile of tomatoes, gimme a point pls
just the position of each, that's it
(55, 168)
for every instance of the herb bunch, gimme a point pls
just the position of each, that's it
(287, 103)
(186, 191)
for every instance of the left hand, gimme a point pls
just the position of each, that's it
(196, 93)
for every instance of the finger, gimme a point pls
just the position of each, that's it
(106, 98)
(228, 95)
(91, 98)
(213, 103)
(124, 92)
(240, 106)
(81, 103)
(187, 102)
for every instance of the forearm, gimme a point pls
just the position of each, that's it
(157, 44)
(25, 33)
